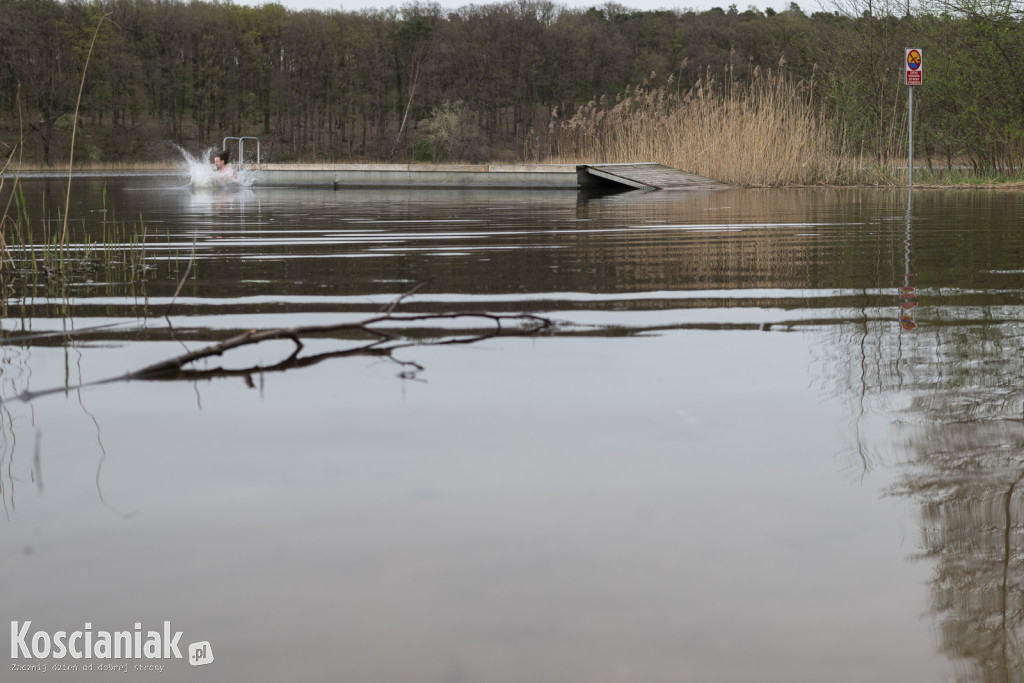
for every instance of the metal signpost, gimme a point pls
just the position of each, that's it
(914, 76)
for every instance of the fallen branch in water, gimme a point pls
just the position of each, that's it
(381, 343)
(174, 367)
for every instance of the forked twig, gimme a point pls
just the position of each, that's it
(390, 308)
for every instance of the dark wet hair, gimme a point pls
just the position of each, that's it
(225, 156)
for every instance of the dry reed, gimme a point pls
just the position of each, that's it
(766, 132)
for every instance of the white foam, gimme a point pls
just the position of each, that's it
(202, 172)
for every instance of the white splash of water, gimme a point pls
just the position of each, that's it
(202, 172)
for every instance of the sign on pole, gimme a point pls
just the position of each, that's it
(915, 76)
(915, 67)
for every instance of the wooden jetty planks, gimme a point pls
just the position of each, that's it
(651, 176)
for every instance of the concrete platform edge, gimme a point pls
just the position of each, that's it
(540, 176)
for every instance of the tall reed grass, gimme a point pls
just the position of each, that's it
(115, 257)
(768, 131)
(52, 259)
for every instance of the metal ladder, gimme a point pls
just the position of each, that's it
(241, 148)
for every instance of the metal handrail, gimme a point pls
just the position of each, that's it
(241, 148)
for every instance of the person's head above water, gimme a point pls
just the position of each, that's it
(222, 159)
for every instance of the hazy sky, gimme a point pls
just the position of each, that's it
(809, 6)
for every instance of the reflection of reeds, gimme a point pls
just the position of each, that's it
(14, 379)
(767, 132)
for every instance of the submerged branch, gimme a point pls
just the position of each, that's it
(382, 343)
(175, 367)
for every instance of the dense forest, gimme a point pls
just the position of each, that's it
(484, 82)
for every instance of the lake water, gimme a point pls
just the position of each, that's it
(773, 435)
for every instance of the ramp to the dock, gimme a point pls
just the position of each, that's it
(644, 176)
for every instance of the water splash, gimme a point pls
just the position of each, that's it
(202, 173)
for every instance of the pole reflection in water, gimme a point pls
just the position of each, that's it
(908, 293)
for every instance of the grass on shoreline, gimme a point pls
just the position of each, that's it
(764, 134)
(768, 133)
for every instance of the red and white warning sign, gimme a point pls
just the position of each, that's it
(915, 67)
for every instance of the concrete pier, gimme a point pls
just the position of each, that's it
(644, 176)
(534, 176)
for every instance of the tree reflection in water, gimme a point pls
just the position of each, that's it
(954, 388)
(956, 395)
(965, 448)
(939, 396)
(967, 472)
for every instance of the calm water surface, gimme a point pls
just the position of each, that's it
(775, 436)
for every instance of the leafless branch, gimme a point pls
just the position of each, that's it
(380, 342)
(370, 327)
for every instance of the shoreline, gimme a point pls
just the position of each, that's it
(647, 176)
(493, 175)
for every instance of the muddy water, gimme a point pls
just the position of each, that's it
(774, 435)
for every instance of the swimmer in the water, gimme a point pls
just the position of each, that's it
(225, 173)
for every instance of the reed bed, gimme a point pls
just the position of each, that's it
(42, 254)
(766, 132)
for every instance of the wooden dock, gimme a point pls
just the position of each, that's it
(644, 176)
